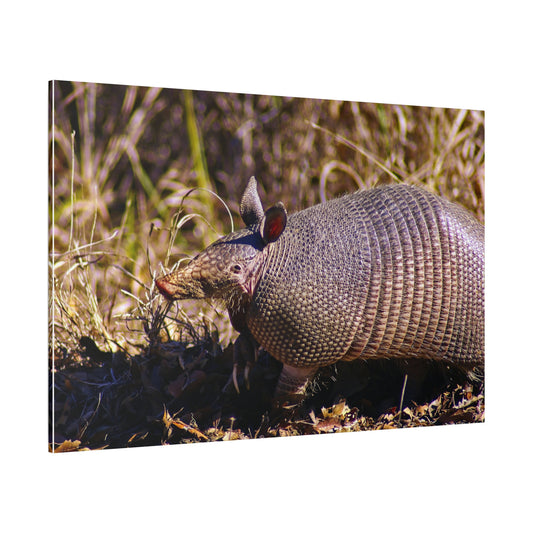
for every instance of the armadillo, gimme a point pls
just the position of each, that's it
(390, 272)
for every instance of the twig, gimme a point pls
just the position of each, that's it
(401, 400)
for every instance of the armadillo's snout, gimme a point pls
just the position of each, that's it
(166, 288)
(181, 285)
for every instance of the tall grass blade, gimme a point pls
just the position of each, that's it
(198, 153)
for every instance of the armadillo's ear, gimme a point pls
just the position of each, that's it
(273, 223)
(251, 209)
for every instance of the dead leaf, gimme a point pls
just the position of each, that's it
(68, 446)
(182, 425)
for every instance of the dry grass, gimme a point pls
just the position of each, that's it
(133, 172)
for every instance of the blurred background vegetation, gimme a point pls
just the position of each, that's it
(124, 158)
(138, 175)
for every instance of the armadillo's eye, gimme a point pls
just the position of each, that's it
(236, 269)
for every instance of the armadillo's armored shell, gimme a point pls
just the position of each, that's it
(393, 271)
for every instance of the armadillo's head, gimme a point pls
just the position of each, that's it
(230, 268)
(224, 269)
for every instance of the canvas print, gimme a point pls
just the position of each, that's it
(232, 266)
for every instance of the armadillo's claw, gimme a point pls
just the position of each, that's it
(244, 354)
(234, 377)
(247, 369)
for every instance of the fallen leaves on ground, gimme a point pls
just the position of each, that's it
(178, 393)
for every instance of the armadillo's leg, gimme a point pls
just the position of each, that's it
(293, 381)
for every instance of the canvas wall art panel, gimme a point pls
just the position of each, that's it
(232, 266)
